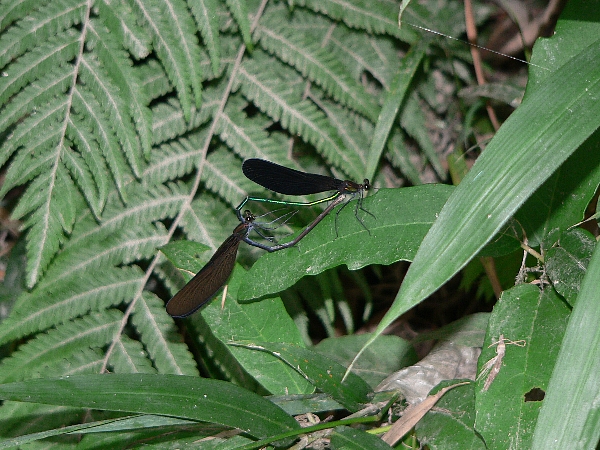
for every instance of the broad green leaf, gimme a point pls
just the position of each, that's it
(402, 218)
(536, 139)
(324, 373)
(172, 395)
(570, 413)
(532, 323)
(265, 321)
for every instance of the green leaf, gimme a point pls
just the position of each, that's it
(301, 404)
(570, 409)
(101, 426)
(265, 321)
(396, 236)
(535, 140)
(532, 323)
(239, 11)
(173, 395)
(325, 374)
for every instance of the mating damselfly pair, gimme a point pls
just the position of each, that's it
(283, 180)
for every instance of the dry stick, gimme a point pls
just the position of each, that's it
(489, 265)
(192, 194)
(414, 413)
(477, 64)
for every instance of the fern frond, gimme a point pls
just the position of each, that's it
(298, 116)
(87, 167)
(94, 246)
(354, 131)
(68, 201)
(115, 108)
(91, 112)
(129, 356)
(169, 122)
(400, 157)
(85, 261)
(11, 12)
(373, 16)
(38, 136)
(317, 63)
(208, 221)
(171, 28)
(204, 12)
(240, 13)
(122, 22)
(247, 136)
(53, 305)
(222, 176)
(48, 204)
(93, 331)
(33, 160)
(42, 25)
(154, 79)
(361, 52)
(131, 99)
(41, 92)
(175, 159)
(126, 230)
(157, 333)
(33, 65)
(149, 203)
(414, 122)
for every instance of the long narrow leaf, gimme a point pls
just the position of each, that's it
(393, 101)
(174, 395)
